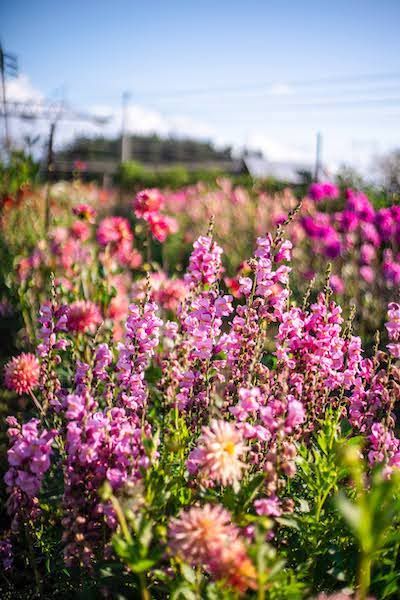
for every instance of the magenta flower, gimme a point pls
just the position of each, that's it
(323, 191)
(161, 226)
(83, 316)
(114, 230)
(268, 506)
(148, 202)
(393, 329)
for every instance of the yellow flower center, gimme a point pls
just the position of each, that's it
(229, 447)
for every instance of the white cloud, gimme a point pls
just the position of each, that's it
(281, 89)
(139, 119)
(21, 89)
(279, 150)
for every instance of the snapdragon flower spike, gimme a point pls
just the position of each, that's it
(100, 445)
(270, 419)
(102, 359)
(393, 329)
(314, 342)
(29, 459)
(205, 265)
(271, 282)
(53, 321)
(266, 300)
(135, 353)
(202, 331)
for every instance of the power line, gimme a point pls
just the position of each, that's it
(42, 110)
(269, 84)
(289, 107)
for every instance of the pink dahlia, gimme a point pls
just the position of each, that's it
(80, 230)
(161, 226)
(85, 211)
(217, 457)
(205, 536)
(21, 373)
(83, 315)
(147, 202)
(114, 230)
(195, 532)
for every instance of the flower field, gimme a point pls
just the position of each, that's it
(201, 394)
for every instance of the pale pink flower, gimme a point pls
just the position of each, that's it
(217, 457)
(205, 536)
(195, 532)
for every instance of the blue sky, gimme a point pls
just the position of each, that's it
(268, 73)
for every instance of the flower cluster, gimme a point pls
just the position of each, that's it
(393, 328)
(359, 232)
(323, 191)
(147, 206)
(29, 459)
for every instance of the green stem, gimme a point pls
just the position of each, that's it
(121, 518)
(364, 576)
(145, 594)
(321, 503)
(148, 245)
(32, 562)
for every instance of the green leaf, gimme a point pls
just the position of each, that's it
(142, 565)
(351, 512)
(188, 573)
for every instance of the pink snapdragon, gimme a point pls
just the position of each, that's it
(393, 329)
(205, 266)
(29, 459)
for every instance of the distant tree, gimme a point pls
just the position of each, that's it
(348, 177)
(389, 168)
(148, 149)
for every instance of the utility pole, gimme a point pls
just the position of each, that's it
(50, 171)
(125, 142)
(8, 66)
(318, 157)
